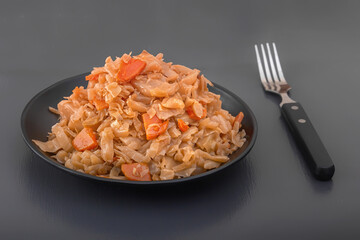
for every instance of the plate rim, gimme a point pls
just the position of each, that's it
(56, 164)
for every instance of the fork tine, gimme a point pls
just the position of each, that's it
(266, 65)
(279, 69)
(273, 71)
(261, 70)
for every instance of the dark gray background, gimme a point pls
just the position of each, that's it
(269, 195)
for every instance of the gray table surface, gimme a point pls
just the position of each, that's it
(269, 195)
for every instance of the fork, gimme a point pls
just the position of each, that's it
(308, 140)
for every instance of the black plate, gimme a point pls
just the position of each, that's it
(36, 122)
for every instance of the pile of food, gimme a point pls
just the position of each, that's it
(143, 119)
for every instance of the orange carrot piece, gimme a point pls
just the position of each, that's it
(163, 127)
(154, 126)
(136, 171)
(152, 131)
(147, 120)
(100, 104)
(85, 140)
(134, 68)
(92, 77)
(239, 117)
(156, 129)
(192, 115)
(182, 125)
(128, 71)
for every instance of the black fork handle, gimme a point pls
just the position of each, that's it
(317, 157)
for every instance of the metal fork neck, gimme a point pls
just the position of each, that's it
(285, 99)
